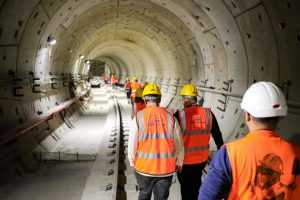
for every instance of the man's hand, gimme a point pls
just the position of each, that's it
(178, 169)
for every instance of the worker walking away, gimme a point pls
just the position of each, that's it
(262, 165)
(127, 87)
(106, 79)
(139, 103)
(114, 80)
(155, 148)
(197, 124)
(134, 86)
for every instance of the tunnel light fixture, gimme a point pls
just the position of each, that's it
(51, 40)
(81, 56)
(87, 61)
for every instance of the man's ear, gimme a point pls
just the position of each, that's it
(247, 117)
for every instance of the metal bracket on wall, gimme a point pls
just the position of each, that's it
(228, 85)
(11, 73)
(62, 115)
(204, 83)
(54, 84)
(285, 86)
(18, 90)
(65, 82)
(35, 86)
(223, 103)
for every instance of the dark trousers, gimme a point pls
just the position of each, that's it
(190, 180)
(128, 93)
(160, 187)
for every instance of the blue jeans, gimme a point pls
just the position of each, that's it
(160, 186)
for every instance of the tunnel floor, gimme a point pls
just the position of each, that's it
(53, 181)
(88, 180)
(85, 137)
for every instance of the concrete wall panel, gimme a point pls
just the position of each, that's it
(8, 57)
(52, 6)
(238, 7)
(14, 16)
(262, 50)
(232, 41)
(31, 40)
(285, 20)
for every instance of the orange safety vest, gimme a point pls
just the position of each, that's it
(127, 85)
(114, 80)
(296, 192)
(264, 167)
(196, 123)
(134, 87)
(156, 146)
(139, 106)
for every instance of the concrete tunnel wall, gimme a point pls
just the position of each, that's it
(221, 45)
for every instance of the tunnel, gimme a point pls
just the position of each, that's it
(49, 49)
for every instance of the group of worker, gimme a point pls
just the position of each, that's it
(112, 79)
(260, 166)
(134, 91)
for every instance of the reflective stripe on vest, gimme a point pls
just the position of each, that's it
(197, 149)
(155, 155)
(155, 136)
(196, 123)
(263, 167)
(155, 147)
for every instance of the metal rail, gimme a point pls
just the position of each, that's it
(118, 125)
(103, 182)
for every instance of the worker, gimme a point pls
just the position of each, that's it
(262, 165)
(114, 80)
(155, 147)
(139, 103)
(127, 87)
(197, 124)
(134, 86)
(106, 79)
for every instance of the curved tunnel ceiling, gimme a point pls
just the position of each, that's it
(152, 41)
(222, 46)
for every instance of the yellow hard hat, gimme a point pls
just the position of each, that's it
(139, 92)
(189, 90)
(151, 89)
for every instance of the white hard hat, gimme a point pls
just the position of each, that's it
(264, 99)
